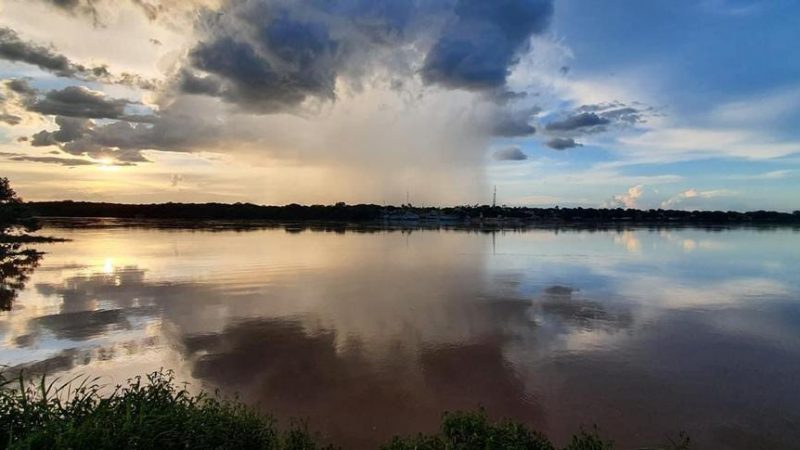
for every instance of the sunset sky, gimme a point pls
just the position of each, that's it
(661, 103)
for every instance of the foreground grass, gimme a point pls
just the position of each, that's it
(155, 412)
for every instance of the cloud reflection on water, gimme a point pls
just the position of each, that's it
(390, 329)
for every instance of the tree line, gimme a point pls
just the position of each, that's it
(371, 212)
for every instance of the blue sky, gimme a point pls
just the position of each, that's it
(681, 104)
(724, 68)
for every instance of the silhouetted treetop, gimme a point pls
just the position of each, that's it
(371, 213)
(15, 215)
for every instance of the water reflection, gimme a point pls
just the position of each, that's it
(16, 265)
(645, 332)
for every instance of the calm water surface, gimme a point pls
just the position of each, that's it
(645, 333)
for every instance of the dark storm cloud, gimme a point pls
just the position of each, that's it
(252, 81)
(15, 49)
(581, 121)
(510, 154)
(479, 46)
(191, 83)
(269, 55)
(514, 123)
(562, 143)
(79, 101)
(282, 63)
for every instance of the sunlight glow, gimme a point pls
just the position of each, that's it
(108, 266)
(107, 165)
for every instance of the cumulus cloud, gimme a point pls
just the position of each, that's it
(510, 154)
(559, 143)
(628, 199)
(483, 40)
(272, 56)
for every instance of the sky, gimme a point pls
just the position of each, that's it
(683, 104)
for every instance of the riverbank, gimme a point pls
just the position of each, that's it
(155, 411)
(408, 215)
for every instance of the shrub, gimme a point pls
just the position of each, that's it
(150, 412)
(154, 412)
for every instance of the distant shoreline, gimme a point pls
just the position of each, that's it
(474, 216)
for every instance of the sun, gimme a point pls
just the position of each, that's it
(107, 164)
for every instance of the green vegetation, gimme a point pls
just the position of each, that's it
(472, 430)
(155, 412)
(150, 412)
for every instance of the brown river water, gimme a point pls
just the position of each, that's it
(367, 335)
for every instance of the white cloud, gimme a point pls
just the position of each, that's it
(761, 108)
(668, 293)
(684, 144)
(689, 194)
(771, 175)
(628, 199)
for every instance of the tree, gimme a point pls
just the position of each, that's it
(15, 216)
